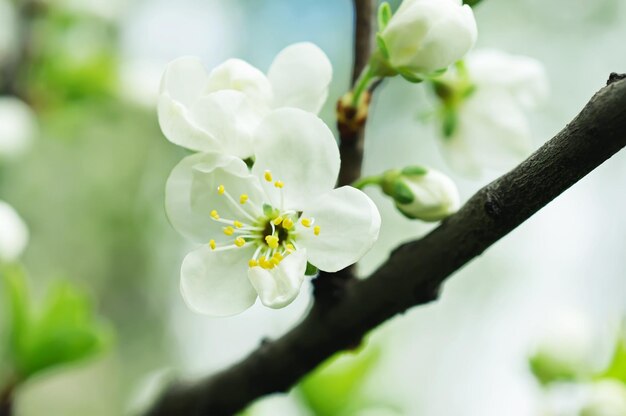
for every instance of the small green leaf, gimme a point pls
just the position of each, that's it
(402, 193)
(384, 15)
(414, 171)
(310, 270)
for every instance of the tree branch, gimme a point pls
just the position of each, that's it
(414, 272)
(6, 400)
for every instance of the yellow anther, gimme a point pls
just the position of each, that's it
(306, 222)
(243, 198)
(253, 263)
(212, 244)
(264, 263)
(237, 224)
(272, 241)
(274, 261)
(278, 256)
(278, 220)
(290, 247)
(316, 230)
(279, 184)
(215, 215)
(239, 241)
(268, 176)
(287, 223)
(221, 189)
(229, 230)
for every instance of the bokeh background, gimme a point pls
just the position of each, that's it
(91, 192)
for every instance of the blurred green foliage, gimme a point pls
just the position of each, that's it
(617, 368)
(64, 329)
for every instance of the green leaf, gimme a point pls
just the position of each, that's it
(384, 15)
(333, 386)
(18, 308)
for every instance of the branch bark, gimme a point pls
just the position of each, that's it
(414, 272)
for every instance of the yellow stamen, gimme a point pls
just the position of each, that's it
(278, 220)
(268, 176)
(221, 189)
(272, 241)
(279, 184)
(229, 230)
(253, 263)
(290, 247)
(243, 198)
(316, 230)
(287, 223)
(239, 241)
(278, 256)
(237, 224)
(306, 222)
(274, 261)
(215, 215)
(264, 263)
(212, 244)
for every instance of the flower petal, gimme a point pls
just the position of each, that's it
(18, 127)
(236, 74)
(300, 76)
(215, 282)
(190, 193)
(349, 224)
(184, 80)
(230, 118)
(299, 150)
(279, 286)
(13, 233)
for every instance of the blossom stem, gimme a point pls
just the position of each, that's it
(362, 83)
(367, 180)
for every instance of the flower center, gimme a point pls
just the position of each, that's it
(271, 230)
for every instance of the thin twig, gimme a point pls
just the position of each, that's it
(414, 272)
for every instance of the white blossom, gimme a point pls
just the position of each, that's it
(18, 127)
(428, 35)
(13, 233)
(490, 126)
(193, 102)
(259, 228)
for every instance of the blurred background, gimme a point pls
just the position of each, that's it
(90, 190)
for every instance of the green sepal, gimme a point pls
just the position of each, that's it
(471, 3)
(384, 15)
(617, 367)
(414, 171)
(547, 370)
(450, 122)
(402, 193)
(409, 75)
(269, 211)
(382, 46)
(310, 270)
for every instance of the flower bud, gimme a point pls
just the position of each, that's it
(421, 193)
(428, 35)
(13, 234)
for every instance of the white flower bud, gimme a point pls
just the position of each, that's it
(428, 35)
(423, 194)
(18, 126)
(13, 234)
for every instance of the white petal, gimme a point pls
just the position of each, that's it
(184, 80)
(13, 233)
(300, 76)
(300, 150)
(18, 127)
(174, 120)
(190, 193)
(230, 118)
(235, 74)
(492, 132)
(278, 287)
(215, 282)
(349, 224)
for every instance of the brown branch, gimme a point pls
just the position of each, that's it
(6, 400)
(414, 272)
